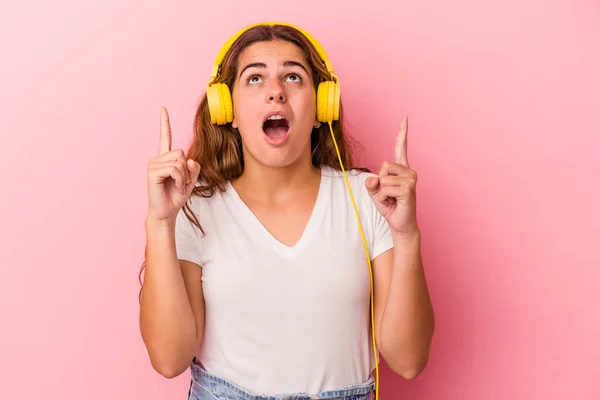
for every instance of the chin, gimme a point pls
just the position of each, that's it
(277, 156)
(281, 160)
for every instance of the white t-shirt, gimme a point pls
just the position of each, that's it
(282, 319)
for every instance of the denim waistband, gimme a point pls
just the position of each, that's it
(205, 386)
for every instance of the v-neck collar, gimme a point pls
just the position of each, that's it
(270, 241)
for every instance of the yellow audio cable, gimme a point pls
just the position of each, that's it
(368, 262)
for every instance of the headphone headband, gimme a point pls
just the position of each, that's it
(320, 50)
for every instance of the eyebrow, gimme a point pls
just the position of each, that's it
(263, 65)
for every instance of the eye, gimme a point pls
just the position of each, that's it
(253, 79)
(294, 77)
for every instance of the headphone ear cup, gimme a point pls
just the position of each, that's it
(219, 104)
(226, 104)
(336, 101)
(328, 101)
(214, 103)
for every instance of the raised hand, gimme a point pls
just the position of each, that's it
(171, 177)
(394, 190)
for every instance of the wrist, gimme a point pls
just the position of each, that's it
(413, 236)
(160, 225)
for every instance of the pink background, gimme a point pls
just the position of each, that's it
(503, 105)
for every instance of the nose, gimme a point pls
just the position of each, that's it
(273, 97)
(276, 93)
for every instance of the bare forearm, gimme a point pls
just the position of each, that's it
(407, 323)
(167, 321)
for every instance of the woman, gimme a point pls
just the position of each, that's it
(256, 273)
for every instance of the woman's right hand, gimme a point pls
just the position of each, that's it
(171, 178)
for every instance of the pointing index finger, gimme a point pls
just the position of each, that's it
(165, 132)
(401, 153)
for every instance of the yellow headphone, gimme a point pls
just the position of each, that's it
(328, 110)
(219, 96)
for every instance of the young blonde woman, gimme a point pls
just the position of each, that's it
(276, 269)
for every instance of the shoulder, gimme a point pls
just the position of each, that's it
(338, 181)
(377, 231)
(200, 201)
(201, 207)
(355, 178)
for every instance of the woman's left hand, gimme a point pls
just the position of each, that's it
(394, 190)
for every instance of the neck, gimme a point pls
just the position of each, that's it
(270, 184)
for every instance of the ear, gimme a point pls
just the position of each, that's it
(317, 124)
(234, 124)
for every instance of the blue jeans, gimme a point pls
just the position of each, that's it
(205, 386)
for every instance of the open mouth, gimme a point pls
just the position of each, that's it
(276, 126)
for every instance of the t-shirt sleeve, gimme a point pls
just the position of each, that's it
(380, 233)
(187, 239)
